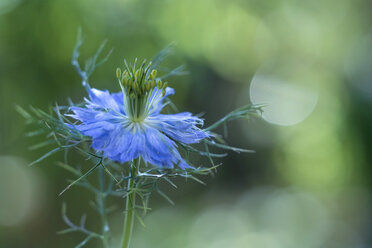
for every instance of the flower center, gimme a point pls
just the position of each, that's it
(141, 90)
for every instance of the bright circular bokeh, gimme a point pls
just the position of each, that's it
(287, 90)
(19, 191)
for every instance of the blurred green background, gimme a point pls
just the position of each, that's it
(309, 183)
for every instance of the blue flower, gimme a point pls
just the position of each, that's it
(129, 124)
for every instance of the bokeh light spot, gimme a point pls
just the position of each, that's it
(8, 5)
(287, 98)
(17, 191)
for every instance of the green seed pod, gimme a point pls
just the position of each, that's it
(118, 73)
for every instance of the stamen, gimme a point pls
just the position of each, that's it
(153, 74)
(160, 84)
(138, 87)
(118, 73)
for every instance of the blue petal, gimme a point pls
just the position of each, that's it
(159, 149)
(157, 99)
(182, 127)
(104, 100)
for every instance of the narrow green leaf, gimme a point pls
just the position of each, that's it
(140, 220)
(45, 156)
(165, 197)
(110, 174)
(227, 147)
(84, 242)
(81, 177)
(41, 144)
(35, 133)
(161, 55)
(175, 72)
(69, 168)
(23, 112)
(65, 231)
(170, 182)
(196, 179)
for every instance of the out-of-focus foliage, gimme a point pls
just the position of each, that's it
(309, 62)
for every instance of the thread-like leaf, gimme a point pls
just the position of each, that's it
(81, 177)
(45, 156)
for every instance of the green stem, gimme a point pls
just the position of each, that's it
(130, 205)
(102, 203)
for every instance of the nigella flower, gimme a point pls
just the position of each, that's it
(129, 124)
